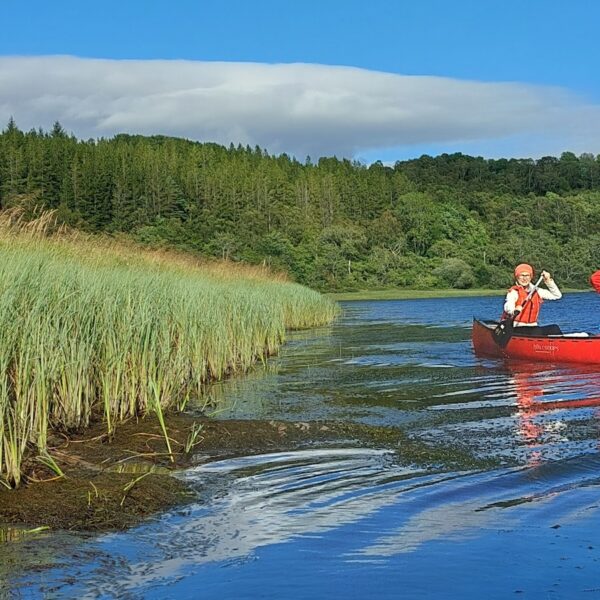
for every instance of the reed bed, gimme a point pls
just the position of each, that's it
(91, 327)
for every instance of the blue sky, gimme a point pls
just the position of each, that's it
(510, 78)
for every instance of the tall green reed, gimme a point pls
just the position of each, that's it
(92, 332)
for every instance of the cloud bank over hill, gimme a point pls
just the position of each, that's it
(301, 109)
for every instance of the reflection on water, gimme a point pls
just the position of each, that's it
(16, 534)
(363, 522)
(302, 521)
(551, 405)
(526, 414)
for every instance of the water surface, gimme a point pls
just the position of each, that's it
(352, 522)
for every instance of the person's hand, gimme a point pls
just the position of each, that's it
(547, 277)
(517, 310)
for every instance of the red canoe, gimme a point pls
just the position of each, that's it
(568, 348)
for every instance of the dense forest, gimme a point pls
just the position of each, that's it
(450, 221)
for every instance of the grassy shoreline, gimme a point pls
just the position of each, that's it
(91, 329)
(406, 294)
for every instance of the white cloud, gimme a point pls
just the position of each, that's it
(300, 109)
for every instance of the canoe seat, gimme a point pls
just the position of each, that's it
(537, 331)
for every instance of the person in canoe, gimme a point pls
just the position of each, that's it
(595, 281)
(526, 312)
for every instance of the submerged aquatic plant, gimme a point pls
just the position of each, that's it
(92, 327)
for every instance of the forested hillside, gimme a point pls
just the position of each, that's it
(450, 221)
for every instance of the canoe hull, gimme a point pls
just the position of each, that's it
(555, 349)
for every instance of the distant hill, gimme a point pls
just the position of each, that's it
(450, 221)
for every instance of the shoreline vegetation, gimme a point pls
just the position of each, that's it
(450, 221)
(409, 294)
(404, 294)
(92, 329)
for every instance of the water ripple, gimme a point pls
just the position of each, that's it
(250, 504)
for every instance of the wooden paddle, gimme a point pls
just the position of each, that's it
(505, 328)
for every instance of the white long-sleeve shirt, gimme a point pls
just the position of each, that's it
(551, 293)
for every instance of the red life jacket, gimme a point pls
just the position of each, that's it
(531, 310)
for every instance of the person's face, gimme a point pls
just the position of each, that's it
(523, 278)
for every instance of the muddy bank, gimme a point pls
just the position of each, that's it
(114, 484)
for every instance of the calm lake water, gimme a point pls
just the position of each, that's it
(503, 501)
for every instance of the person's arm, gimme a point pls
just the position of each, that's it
(551, 292)
(511, 302)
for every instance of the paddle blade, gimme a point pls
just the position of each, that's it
(503, 332)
